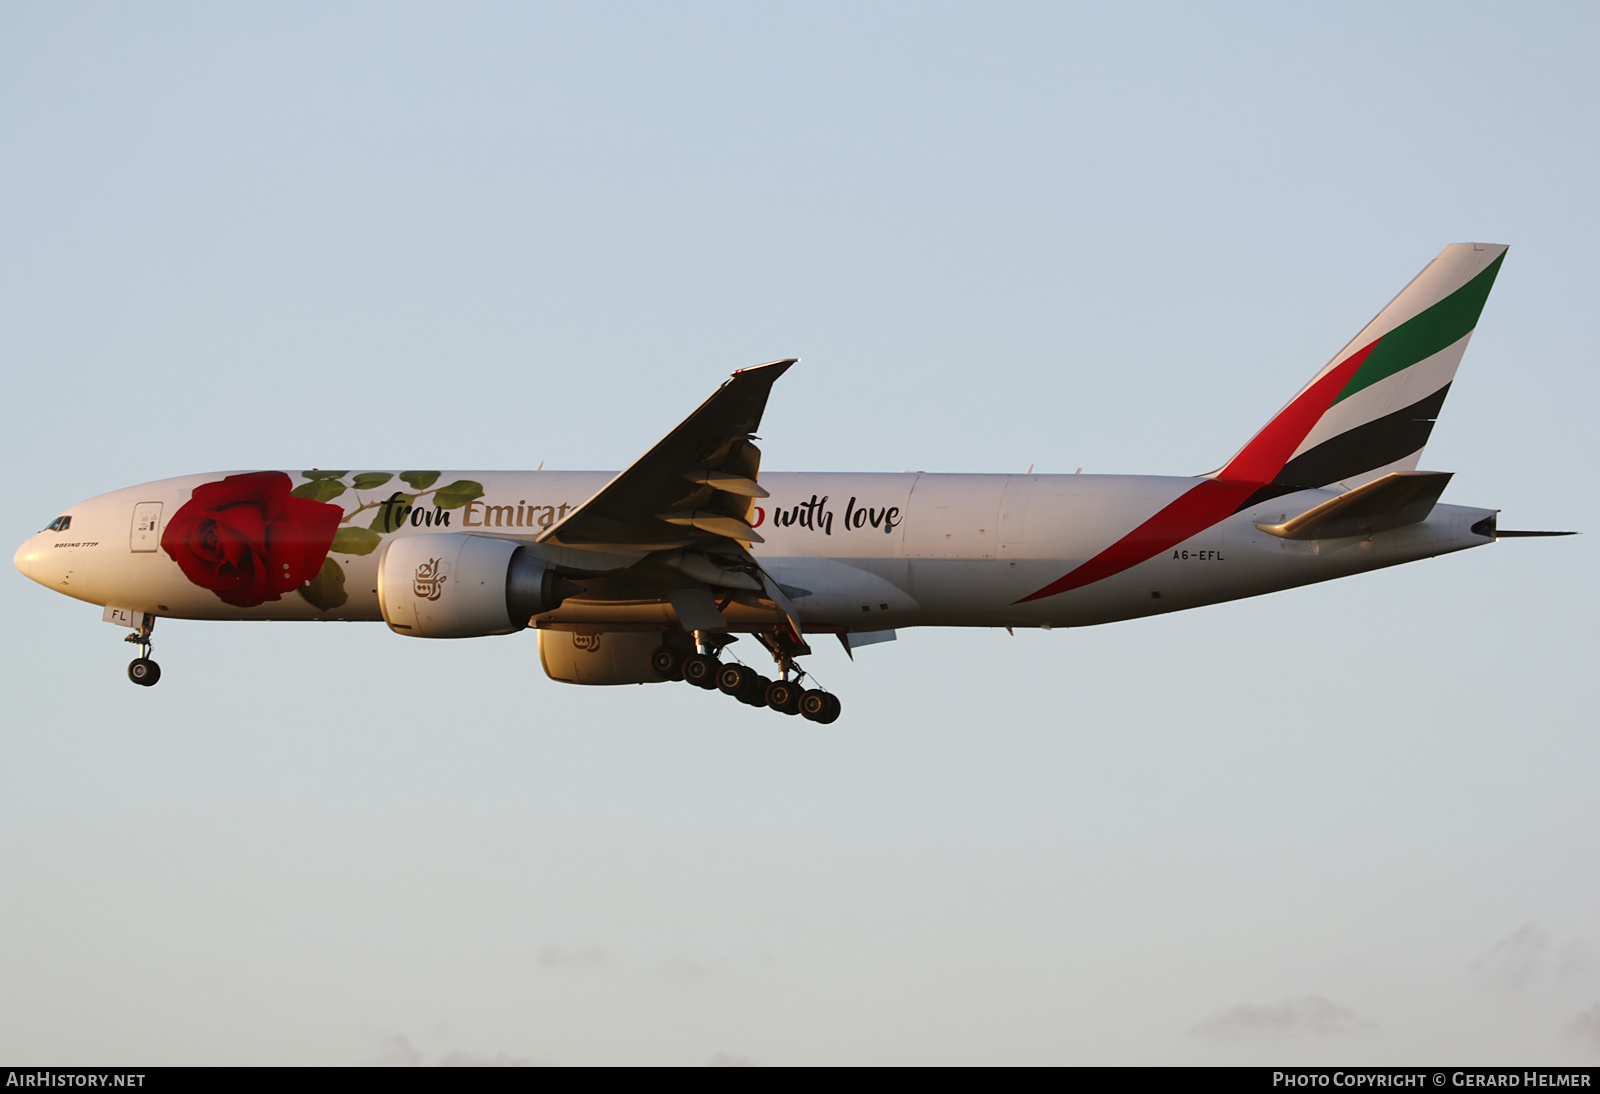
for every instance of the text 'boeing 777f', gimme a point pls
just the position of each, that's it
(646, 575)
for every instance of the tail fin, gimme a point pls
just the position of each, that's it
(1370, 410)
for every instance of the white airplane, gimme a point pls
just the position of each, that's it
(648, 575)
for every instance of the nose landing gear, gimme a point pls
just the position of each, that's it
(142, 670)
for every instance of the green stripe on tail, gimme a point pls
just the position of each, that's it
(1426, 333)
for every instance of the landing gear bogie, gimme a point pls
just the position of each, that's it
(753, 689)
(786, 695)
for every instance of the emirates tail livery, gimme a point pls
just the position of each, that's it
(648, 575)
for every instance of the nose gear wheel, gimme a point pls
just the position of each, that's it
(142, 670)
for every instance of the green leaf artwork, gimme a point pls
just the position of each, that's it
(326, 590)
(314, 474)
(319, 490)
(457, 494)
(351, 540)
(370, 480)
(392, 513)
(419, 480)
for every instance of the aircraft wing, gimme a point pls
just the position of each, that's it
(691, 497)
(694, 488)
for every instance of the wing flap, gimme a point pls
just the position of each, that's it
(715, 523)
(732, 484)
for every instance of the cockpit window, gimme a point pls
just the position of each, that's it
(60, 524)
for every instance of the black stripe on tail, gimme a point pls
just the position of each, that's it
(1356, 451)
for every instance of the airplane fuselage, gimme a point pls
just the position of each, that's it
(859, 552)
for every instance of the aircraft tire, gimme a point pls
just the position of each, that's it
(820, 707)
(667, 663)
(701, 670)
(755, 694)
(783, 697)
(814, 705)
(735, 680)
(143, 671)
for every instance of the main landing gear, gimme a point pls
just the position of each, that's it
(784, 695)
(142, 670)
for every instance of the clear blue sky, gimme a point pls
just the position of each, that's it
(1351, 823)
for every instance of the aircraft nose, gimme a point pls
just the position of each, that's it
(25, 556)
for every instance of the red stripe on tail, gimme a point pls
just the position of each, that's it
(1270, 449)
(1211, 500)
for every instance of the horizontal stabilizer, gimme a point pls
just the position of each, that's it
(1397, 499)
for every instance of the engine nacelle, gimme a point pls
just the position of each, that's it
(450, 585)
(614, 657)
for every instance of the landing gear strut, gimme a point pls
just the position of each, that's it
(785, 695)
(142, 670)
(701, 667)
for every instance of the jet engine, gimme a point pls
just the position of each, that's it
(449, 585)
(613, 657)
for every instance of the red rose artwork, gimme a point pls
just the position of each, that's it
(249, 540)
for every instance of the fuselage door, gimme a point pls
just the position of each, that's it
(146, 526)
